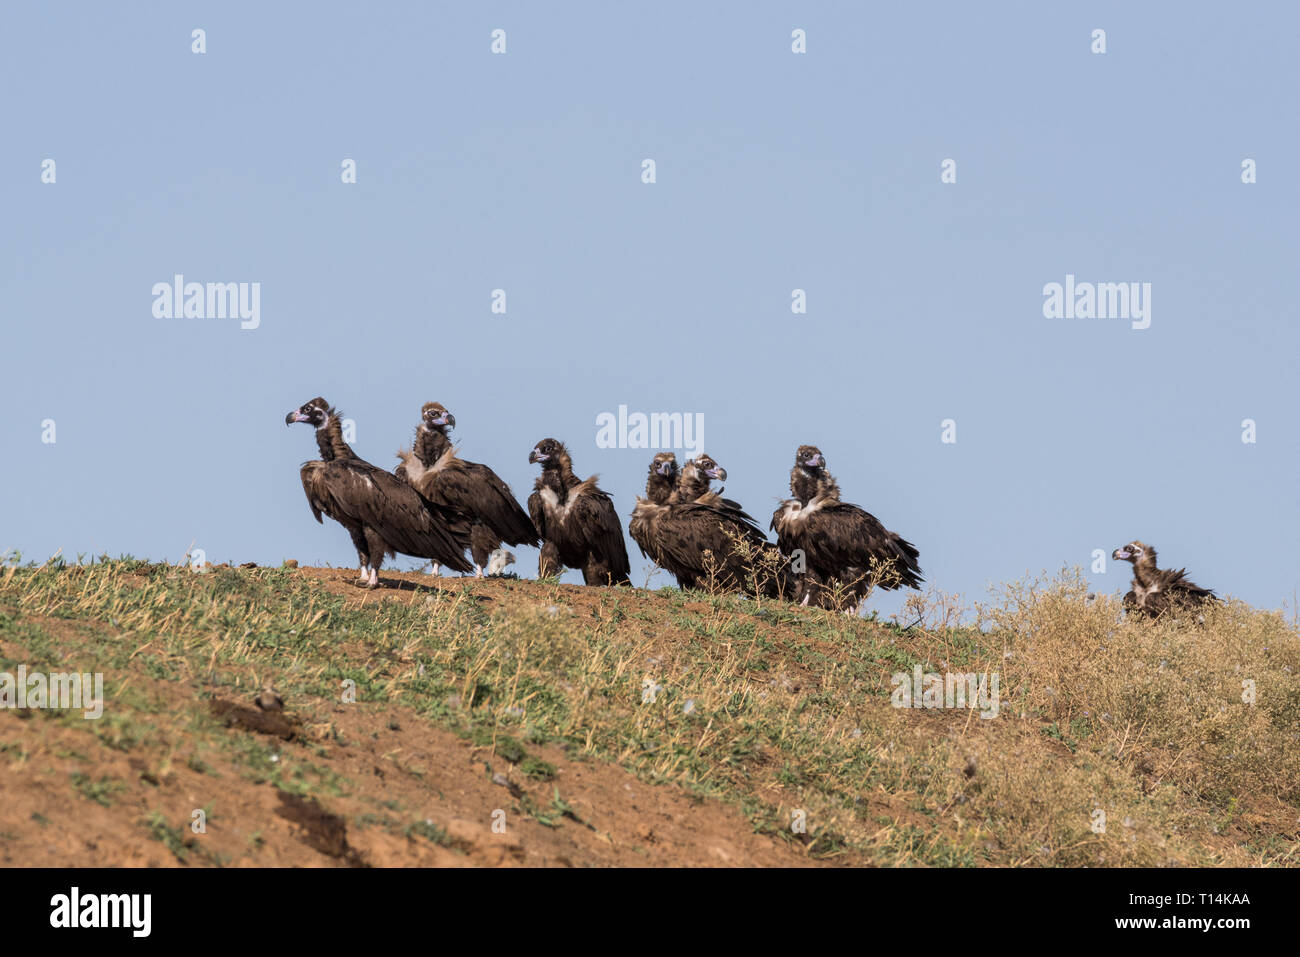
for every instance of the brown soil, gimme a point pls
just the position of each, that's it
(387, 755)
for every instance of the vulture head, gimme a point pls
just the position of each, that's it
(435, 417)
(1134, 552)
(809, 477)
(550, 454)
(710, 469)
(316, 413)
(664, 475)
(810, 459)
(665, 466)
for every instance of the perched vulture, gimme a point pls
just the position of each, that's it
(841, 543)
(660, 487)
(695, 476)
(576, 520)
(1155, 590)
(695, 534)
(662, 481)
(382, 513)
(466, 488)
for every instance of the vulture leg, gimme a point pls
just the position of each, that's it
(363, 551)
(812, 588)
(482, 543)
(377, 548)
(436, 570)
(548, 563)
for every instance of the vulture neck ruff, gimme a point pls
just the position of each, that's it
(692, 484)
(430, 444)
(557, 476)
(561, 508)
(330, 441)
(1145, 572)
(418, 471)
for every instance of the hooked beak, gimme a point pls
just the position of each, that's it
(295, 416)
(536, 456)
(1121, 554)
(718, 473)
(446, 419)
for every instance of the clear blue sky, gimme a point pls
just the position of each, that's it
(775, 171)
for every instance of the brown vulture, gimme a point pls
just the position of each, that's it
(466, 488)
(695, 476)
(660, 487)
(1157, 590)
(694, 533)
(662, 481)
(842, 545)
(576, 520)
(383, 514)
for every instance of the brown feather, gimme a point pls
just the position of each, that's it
(843, 545)
(707, 539)
(577, 521)
(382, 514)
(1155, 590)
(469, 489)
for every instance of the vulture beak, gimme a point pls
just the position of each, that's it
(814, 461)
(1121, 554)
(663, 468)
(448, 420)
(295, 416)
(536, 456)
(718, 473)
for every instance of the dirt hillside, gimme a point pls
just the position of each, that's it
(453, 722)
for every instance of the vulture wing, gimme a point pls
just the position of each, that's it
(592, 511)
(537, 512)
(837, 537)
(475, 490)
(320, 496)
(471, 489)
(685, 532)
(644, 526)
(1177, 583)
(355, 492)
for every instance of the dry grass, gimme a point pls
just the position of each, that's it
(773, 708)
